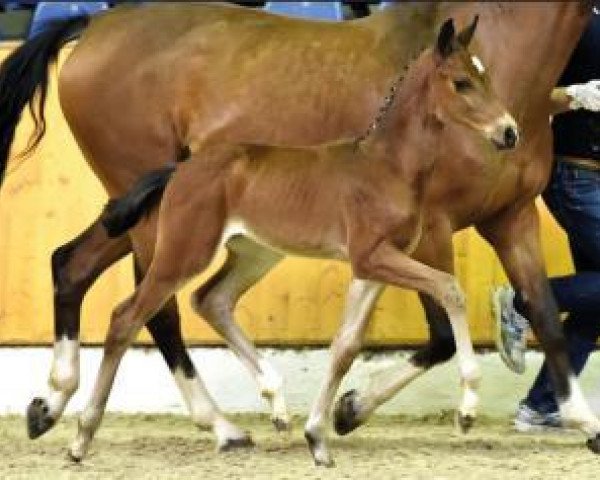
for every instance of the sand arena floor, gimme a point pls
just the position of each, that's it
(169, 447)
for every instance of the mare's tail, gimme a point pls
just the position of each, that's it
(121, 214)
(24, 73)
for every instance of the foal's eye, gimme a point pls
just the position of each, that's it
(462, 85)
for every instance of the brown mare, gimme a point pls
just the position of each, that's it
(361, 201)
(204, 70)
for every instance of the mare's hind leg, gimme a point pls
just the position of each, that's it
(354, 407)
(180, 254)
(247, 262)
(75, 267)
(165, 328)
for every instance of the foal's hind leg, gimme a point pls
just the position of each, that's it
(247, 262)
(75, 267)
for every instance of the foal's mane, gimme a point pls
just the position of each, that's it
(388, 101)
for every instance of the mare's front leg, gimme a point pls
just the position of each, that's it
(516, 238)
(75, 267)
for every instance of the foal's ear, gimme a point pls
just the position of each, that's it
(445, 41)
(465, 37)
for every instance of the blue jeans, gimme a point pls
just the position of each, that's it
(573, 197)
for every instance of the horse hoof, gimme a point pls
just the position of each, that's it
(237, 444)
(38, 419)
(345, 415)
(318, 451)
(282, 425)
(74, 458)
(329, 463)
(594, 444)
(465, 422)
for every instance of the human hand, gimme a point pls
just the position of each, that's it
(584, 95)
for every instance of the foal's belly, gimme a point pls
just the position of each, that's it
(289, 238)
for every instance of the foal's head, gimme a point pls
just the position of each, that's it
(460, 90)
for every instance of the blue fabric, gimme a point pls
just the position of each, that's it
(46, 12)
(573, 196)
(316, 10)
(577, 133)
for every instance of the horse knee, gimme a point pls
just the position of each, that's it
(452, 296)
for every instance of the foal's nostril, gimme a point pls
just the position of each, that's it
(510, 137)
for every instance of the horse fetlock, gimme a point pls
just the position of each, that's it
(79, 447)
(575, 411)
(230, 436)
(470, 372)
(271, 389)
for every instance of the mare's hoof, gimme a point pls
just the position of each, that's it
(237, 444)
(465, 422)
(345, 415)
(594, 443)
(39, 420)
(318, 451)
(282, 425)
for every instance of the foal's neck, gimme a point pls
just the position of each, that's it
(404, 128)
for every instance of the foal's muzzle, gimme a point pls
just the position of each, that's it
(505, 133)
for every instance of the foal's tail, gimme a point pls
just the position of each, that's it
(25, 73)
(121, 214)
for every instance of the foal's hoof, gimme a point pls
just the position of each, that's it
(281, 425)
(39, 420)
(318, 451)
(236, 444)
(594, 443)
(74, 457)
(345, 415)
(464, 422)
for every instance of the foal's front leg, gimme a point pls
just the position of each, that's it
(388, 265)
(361, 297)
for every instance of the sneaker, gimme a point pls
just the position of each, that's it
(529, 420)
(511, 329)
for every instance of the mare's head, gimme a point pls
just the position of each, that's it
(460, 89)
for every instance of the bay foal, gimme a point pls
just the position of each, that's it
(361, 201)
(171, 63)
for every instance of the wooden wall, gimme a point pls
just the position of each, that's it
(52, 195)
